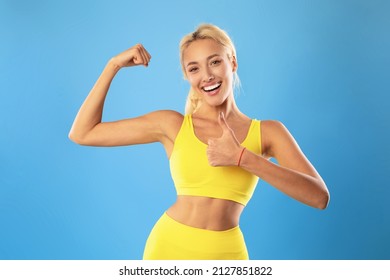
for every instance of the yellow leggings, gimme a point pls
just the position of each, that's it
(171, 240)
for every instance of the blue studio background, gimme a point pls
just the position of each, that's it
(321, 67)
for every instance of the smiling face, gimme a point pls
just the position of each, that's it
(209, 69)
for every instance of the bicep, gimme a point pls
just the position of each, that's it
(140, 130)
(282, 146)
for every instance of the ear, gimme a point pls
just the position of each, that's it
(234, 63)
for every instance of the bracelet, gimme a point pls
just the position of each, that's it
(239, 160)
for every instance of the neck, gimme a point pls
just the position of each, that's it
(229, 109)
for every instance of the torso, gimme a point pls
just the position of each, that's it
(204, 212)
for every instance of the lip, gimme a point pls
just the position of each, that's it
(214, 91)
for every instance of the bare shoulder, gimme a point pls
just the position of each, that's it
(273, 127)
(170, 122)
(170, 115)
(275, 136)
(279, 143)
(168, 118)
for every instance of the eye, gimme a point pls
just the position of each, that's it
(193, 69)
(215, 62)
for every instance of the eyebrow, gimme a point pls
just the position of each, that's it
(208, 58)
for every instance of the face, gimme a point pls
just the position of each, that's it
(209, 70)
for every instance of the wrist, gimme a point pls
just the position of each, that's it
(241, 154)
(114, 65)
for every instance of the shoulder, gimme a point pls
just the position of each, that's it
(167, 118)
(275, 136)
(167, 115)
(169, 121)
(272, 126)
(160, 119)
(164, 117)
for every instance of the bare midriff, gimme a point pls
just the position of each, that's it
(206, 213)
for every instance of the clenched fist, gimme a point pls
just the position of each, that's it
(136, 55)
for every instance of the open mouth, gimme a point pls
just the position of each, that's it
(212, 87)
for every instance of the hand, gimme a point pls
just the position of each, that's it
(224, 151)
(136, 55)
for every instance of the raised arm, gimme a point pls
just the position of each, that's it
(88, 128)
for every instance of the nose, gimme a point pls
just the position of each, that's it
(208, 76)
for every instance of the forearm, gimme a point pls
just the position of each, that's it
(307, 189)
(91, 111)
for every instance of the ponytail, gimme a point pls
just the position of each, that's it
(193, 102)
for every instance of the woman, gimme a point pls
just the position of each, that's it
(216, 152)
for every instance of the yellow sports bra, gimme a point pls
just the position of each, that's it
(193, 175)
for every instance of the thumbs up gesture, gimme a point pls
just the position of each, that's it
(224, 151)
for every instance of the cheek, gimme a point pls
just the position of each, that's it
(224, 71)
(193, 81)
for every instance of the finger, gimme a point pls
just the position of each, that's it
(145, 55)
(210, 158)
(148, 55)
(140, 57)
(222, 122)
(137, 57)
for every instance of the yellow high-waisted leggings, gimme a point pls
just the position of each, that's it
(171, 240)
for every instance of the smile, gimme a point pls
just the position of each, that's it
(212, 87)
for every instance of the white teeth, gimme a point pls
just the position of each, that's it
(209, 88)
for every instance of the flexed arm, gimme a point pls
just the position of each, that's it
(88, 128)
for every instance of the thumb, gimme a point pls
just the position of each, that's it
(223, 123)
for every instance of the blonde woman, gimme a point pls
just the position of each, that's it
(216, 152)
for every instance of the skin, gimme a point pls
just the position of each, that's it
(218, 123)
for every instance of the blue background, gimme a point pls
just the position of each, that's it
(320, 67)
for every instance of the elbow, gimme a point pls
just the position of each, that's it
(76, 138)
(323, 200)
(73, 137)
(82, 139)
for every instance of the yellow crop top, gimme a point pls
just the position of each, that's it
(193, 175)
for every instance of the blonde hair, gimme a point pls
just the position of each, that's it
(205, 31)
